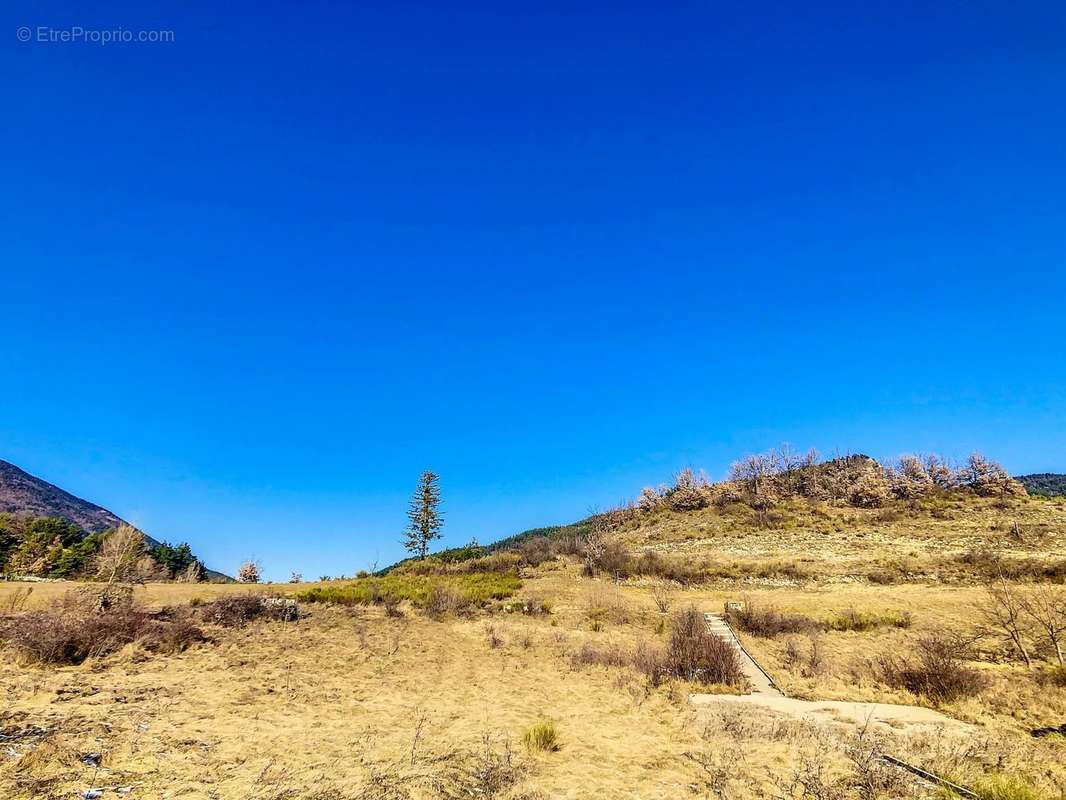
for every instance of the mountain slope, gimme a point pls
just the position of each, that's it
(22, 493)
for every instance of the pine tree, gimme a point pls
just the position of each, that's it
(424, 515)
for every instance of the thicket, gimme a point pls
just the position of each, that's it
(76, 627)
(763, 479)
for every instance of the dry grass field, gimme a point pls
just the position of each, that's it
(354, 702)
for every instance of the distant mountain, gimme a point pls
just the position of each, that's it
(1048, 484)
(22, 493)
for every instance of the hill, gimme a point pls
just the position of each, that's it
(22, 493)
(41, 505)
(1047, 484)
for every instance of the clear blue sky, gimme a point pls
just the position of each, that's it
(255, 279)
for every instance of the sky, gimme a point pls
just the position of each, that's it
(257, 277)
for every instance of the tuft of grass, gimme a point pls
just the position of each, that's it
(1007, 787)
(1054, 676)
(542, 737)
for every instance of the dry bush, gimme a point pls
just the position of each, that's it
(249, 572)
(443, 600)
(533, 605)
(123, 558)
(870, 489)
(238, 610)
(1053, 676)
(17, 600)
(600, 655)
(768, 621)
(74, 629)
(662, 598)
(937, 670)
(694, 653)
(872, 777)
(536, 550)
(690, 491)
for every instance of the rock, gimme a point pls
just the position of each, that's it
(284, 608)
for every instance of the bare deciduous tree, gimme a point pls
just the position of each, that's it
(249, 572)
(122, 562)
(1005, 614)
(1046, 606)
(756, 471)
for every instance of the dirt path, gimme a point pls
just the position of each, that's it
(765, 694)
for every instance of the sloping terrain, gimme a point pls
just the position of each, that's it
(22, 493)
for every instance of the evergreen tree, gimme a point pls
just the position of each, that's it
(424, 515)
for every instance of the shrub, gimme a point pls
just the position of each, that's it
(768, 621)
(237, 610)
(936, 671)
(532, 606)
(1053, 676)
(694, 653)
(602, 656)
(248, 572)
(443, 600)
(72, 630)
(542, 737)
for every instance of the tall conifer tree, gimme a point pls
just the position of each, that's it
(424, 515)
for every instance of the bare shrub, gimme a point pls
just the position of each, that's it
(443, 600)
(936, 671)
(694, 653)
(767, 621)
(815, 658)
(1005, 616)
(615, 559)
(238, 610)
(689, 491)
(872, 777)
(1046, 607)
(600, 655)
(249, 572)
(17, 600)
(986, 478)
(870, 488)
(909, 479)
(73, 629)
(491, 771)
(536, 550)
(650, 499)
(662, 598)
